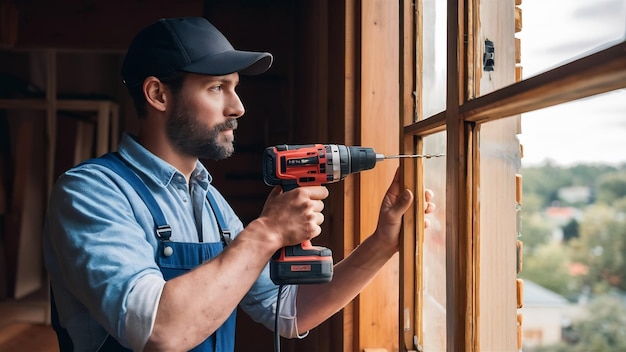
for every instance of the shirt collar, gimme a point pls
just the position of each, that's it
(153, 167)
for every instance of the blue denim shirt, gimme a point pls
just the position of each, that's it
(99, 248)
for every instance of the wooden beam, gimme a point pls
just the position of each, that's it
(409, 320)
(107, 117)
(377, 305)
(433, 124)
(459, 328)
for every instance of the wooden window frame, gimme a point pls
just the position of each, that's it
(596, 73)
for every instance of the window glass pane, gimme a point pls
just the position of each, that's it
(556, 31)
(573, 223)
(433, 71)
(434, 248)
(582, 131)
(499, 162)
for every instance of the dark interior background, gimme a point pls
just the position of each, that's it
(299, 100)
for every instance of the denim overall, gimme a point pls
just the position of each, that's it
(173, 258)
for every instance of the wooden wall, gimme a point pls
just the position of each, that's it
(378, 305)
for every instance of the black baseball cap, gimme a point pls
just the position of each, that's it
(189, 44)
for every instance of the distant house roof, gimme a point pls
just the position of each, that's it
(536, 295)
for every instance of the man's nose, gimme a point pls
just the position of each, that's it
(235, 107)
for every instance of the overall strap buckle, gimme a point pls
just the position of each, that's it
(164, 232)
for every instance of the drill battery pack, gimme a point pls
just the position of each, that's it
(302, 264)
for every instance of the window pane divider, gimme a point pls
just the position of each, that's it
(578, 79)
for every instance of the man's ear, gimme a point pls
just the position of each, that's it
(155, 93)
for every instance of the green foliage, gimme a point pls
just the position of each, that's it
(532, 203)
(603, 329)
(597, 241)
(602, 247)
(549, 267)
(611, 187)
(620, 205)
(536, 231)
(546, 180)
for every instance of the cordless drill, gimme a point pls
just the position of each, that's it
(293, 166)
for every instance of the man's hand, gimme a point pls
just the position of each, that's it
(295, 215)
(395, 203)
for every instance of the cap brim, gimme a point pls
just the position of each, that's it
(244, 62)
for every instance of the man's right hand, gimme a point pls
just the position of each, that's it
(295, 216)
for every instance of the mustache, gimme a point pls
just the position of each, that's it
(230, 124)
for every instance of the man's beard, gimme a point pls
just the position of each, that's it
(193, 138)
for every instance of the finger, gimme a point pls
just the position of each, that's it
(320, 219)
(316, 192)
(430, 207)
(428, 195)
(395, 184)
(401, 204)
(393, 192)
(315, 228)
(317, 205)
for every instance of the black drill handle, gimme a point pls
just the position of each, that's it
(289, 186)
(297, 248)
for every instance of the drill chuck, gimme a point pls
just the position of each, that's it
(355, 159)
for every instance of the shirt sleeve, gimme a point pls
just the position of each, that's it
(99, 247)
(143, 301)
(260, 304)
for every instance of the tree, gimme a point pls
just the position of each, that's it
(602, 247)
(611, 187)
(546, 180)
(549, 267)
(570, 230)
(536, 231)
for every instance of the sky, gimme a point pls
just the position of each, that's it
(591, 130)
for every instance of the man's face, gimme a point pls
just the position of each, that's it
(204, 116)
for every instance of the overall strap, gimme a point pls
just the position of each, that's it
(116, 163)
(225, 234)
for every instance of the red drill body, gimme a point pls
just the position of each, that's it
(292, 166)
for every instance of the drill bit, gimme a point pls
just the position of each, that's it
(381, 157)
(426, 156)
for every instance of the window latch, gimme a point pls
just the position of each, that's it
(489, 56)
